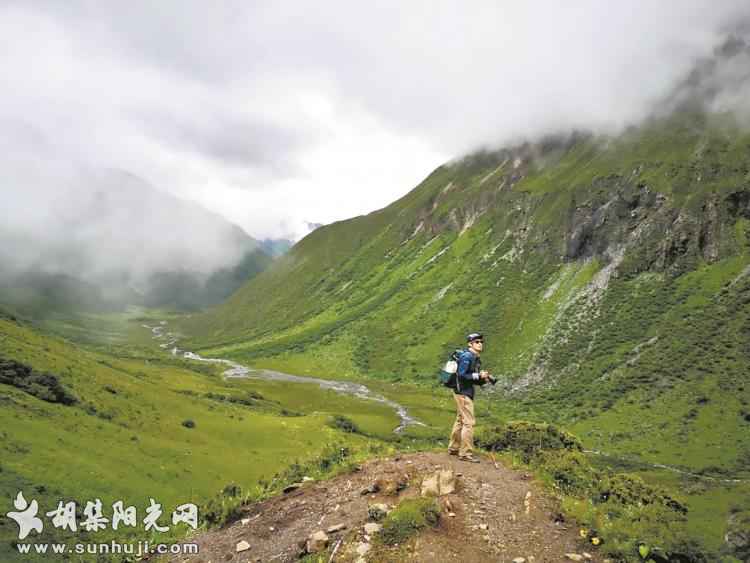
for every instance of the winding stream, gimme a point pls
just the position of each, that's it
(238, 371)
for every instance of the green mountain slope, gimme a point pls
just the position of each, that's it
(568, 253)
(611, 277)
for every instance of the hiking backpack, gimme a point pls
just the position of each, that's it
(447, 375)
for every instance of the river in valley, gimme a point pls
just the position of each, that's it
(238, 371)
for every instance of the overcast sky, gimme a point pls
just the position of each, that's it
(276, 113)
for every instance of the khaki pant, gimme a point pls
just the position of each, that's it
(462, 436)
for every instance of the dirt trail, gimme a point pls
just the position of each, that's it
(487, 494)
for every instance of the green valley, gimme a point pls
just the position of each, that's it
(142, 424)
(609, 275)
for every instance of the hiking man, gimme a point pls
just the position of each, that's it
(469, 374)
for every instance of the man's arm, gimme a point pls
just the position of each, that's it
(464, 366)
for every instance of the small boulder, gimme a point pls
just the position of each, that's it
(242, 546)
(574, 557)
(431, 486)
(391, 485)
(372, 489)
(442, 482)
(335, 528)
(377, 511)
(317, 542)
(519, 560)
(371, 528)
(447, 482)
(363, 548)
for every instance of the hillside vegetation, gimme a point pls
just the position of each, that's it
(120, 419)
(611, 277)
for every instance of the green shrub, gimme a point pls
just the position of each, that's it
(570, 471)
(332, 456)
(44, 386)
(621, 509)
(344, 423)
(225, 507)
(631, 489)
(188, 423)
(528, 438)
(408, 518)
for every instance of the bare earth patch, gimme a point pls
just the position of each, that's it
(485, 519)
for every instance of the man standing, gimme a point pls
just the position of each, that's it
(469, 374)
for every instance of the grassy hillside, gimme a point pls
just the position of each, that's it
(124, 434)
(610, 275)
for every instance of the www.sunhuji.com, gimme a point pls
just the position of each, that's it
(138, 549)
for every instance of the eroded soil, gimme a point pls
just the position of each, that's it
(490, 520)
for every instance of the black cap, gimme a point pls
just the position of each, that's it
(474, 336)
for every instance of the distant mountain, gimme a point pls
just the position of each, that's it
(115, 240)
(276, 247)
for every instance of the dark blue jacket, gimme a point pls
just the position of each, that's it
(469, 366)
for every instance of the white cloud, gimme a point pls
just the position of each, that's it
(278, 113)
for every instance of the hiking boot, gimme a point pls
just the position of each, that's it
(469, 458)
(452, 452)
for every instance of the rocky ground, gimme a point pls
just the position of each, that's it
(489, 512)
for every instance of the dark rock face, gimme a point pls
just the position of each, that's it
(598, 224)
(738, 204)
(672, 239)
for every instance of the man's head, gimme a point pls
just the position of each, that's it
(476, 342)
